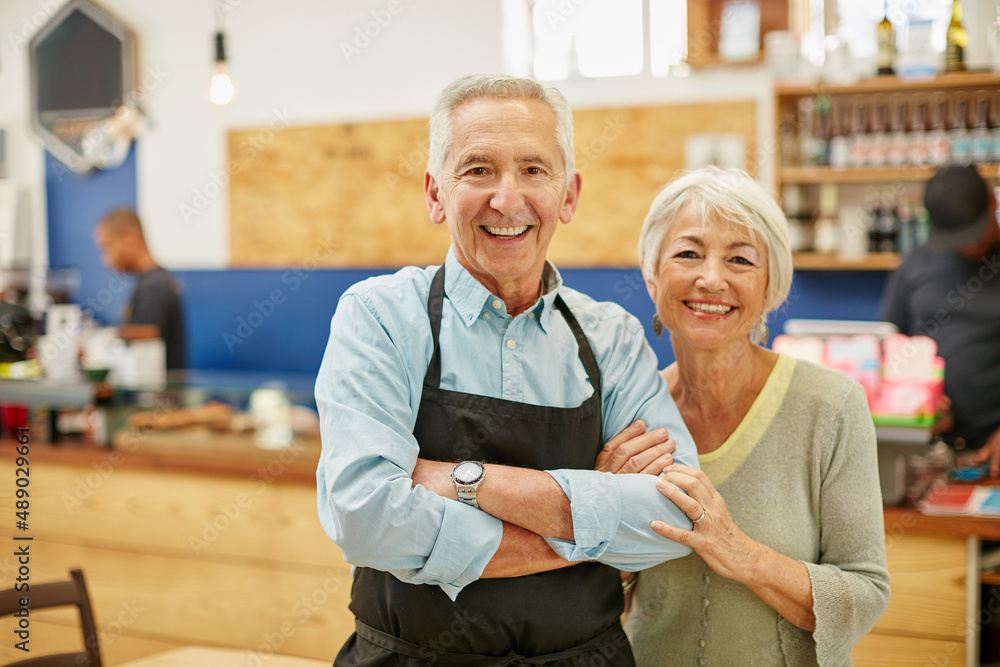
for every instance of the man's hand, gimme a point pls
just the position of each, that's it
(435, 476)
(633, 450)
(945, 420)
(991, 452)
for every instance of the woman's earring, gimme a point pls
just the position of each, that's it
(657, 325)
(762, 332)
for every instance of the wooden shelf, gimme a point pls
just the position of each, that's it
(808, 175)
(891, 84)
(707, 61)
(873, 261)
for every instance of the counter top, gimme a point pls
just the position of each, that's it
(907, 519)
(188, 450)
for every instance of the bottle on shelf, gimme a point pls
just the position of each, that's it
(898, 139)
(821, 131)
(806, 129)
(872, 215)
(907, 226)
(995, 123)
(956, 39)
(958, 132)
(981, 137)
(788, 140)
(918, 151)
(888, 225)
(886, 38)
(938, 145)
(840, 146)
(878, 137)
(859, 132)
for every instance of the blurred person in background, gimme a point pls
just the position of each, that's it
(155, 300)
(948, 289)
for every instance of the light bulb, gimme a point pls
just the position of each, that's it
(221, 88)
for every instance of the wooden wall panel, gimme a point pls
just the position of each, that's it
(928, 587)
(878, 650)
(352, 195)
(181, 514)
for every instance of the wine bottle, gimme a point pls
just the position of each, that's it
(886, 34)
(957, 38)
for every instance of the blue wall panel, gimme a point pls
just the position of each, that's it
(75, 205)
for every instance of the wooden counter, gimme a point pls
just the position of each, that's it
(210, 543)
(192, 539)
(933, 616)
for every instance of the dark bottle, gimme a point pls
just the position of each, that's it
(956, 39)
(886, 35)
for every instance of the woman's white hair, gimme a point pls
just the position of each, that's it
(485, 85)
(729, 195)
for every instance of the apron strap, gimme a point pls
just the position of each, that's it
(435, 301)
(602, 645)
(586, 353)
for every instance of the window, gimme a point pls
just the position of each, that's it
(572, 39)
(858, 18)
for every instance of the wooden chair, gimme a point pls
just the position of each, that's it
(58, 594)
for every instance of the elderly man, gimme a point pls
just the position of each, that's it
(491, 364)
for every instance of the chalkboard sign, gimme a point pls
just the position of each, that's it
(82, 76)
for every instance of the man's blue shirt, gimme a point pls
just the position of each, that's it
(368, 392)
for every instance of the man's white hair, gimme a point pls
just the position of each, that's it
(485, 85)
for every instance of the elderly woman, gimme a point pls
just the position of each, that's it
(789, 550)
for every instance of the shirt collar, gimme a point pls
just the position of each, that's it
(470, 297)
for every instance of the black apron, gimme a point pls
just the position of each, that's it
(562, 618)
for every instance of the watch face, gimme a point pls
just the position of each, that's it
(468, 472)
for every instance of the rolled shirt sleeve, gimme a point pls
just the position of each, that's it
(611, 517)
(612, 513)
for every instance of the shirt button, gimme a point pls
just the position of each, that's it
(511, 345)
(486, 316)
(498, 304)
(531, 316)
(706, 576)
(704, 602)
(701, 643)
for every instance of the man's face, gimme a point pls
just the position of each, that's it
(116, 251)
(503, 189)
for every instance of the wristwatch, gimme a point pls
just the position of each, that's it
(468, 475)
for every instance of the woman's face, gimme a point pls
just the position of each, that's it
(712, 280)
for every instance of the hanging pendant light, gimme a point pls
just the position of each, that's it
(221, 88)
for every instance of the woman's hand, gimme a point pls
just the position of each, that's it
(715, 536)
(634, 450)
(781, 582)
